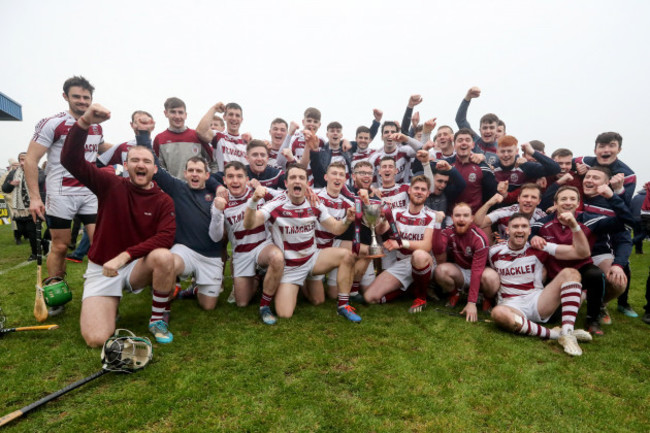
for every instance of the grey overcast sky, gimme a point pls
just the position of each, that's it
(556, 71)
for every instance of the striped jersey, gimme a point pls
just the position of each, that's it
(51, 133)
(228, 148)
(520, 271)
(403, 156)
(397, 196)
(411, 227)
(243, 240)
(337, 207)
(502, 215)
(293, 227)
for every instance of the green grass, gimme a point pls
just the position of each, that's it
(394, 372)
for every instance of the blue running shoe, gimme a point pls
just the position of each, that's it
(348, 312)
(160, 331)
(627, 310)
(267, 316)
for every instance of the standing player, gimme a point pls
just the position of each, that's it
(251, 248)
(414, 263)
(227, 146)
(278, 132)
(135, 228)
(523, 300)
(468, 246)
(486, 142)
(403, 154)
(66, 196)
(178, 143)
(293, 225)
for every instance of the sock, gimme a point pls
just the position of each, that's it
(421, 279)
(159, 304)
(266, 300)
(391, 296)
(344, 299)
(355, 288)
(532, 328)
(570, 302)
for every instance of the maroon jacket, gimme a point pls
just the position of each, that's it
(129, 218)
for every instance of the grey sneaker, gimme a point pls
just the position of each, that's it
(646, 318)
(55, 311)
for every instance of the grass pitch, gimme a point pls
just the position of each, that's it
(394, 372)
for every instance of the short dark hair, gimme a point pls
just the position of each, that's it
(295, 165)
(388, 158)
(174, 102)
(255, 143)
(489, 118)
(362, 129)
(279, 120)
(502, 123)
(463, 131)
(237, 165)
(537, 145)
(517, 215)
(78, 81)
(197, 158)
(531, 185)
(233, 106)
(334, 125)
(608, 137)
(606, 171)
(389, 123)
(561, 153)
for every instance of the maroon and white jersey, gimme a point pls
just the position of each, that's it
(521, 271)
(502, 215)
(437, 154)
(297, 146)
(403, 156)
(117, 155)
(397, 196)
(337, 207)
(361, 155)
(51, 133)
(411, 227)
(228, 148)
(243, 240)
(293, 228)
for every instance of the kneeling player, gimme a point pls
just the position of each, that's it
(293, 227)
(251, 248)
(468, 246)
(135, 226)
(414, 262)
(523, 299)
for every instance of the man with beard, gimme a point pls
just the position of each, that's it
(135, 227)
(524, 301)
(468, 247)
(292, 221)
(414, 263)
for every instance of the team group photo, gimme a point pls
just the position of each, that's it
(418, 266)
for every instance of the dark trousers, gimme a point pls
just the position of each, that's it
(25, 226)
(593, 280)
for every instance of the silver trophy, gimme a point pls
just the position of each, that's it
(372, 215)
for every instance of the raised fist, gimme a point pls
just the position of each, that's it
(96, 114)
(378, 114)
(259, 193)
(472, 93)
(414, 100)
(443, 166)
(502, 187)
(605, 191)
(219, 107)
(429, 125)
(220, 203)
(422, 156)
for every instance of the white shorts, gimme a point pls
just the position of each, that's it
(366, 280)
(403, 271)
(67, 206)
(331, 276)
(97, 284)
(527, 304)
(601, 258)
(389, 259)
(298, 275)
(207, 271)
(246, 264)
(467, 275)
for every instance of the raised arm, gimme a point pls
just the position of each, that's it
(203, 129)
(579, 249)
(215, 230)
(461, 114)
(252, 217)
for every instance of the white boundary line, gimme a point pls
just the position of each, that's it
(18, 266)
